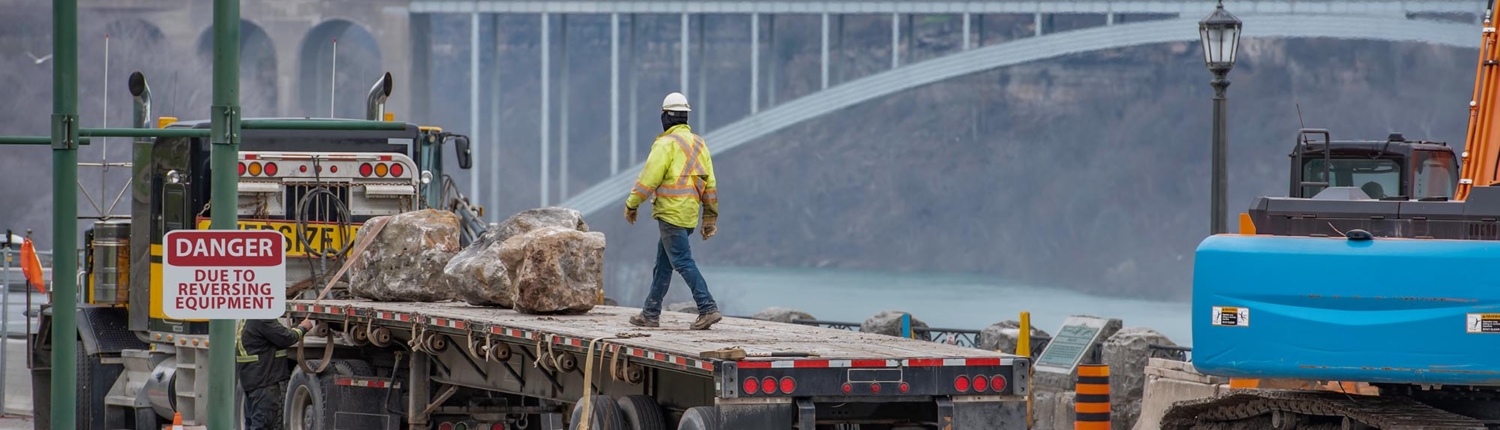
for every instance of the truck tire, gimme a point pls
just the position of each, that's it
(642, 413)
(700, 418)
(305, 407)
(606, 415)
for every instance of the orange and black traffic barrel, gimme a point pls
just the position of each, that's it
(1091, 404)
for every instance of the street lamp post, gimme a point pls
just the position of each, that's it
(1220, 33)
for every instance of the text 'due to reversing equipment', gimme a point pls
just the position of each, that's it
(224, 274)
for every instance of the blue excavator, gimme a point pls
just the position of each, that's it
(1364, 284)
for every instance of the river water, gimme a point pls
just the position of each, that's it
(940, 300)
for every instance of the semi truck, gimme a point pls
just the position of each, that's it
(389, 365)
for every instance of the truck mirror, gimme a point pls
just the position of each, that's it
(461, 147)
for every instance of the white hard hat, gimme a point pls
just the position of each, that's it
(676, 102)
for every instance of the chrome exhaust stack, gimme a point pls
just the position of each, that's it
(375, 102)
(141, 94)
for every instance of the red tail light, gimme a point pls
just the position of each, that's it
(847, 388)
(302, 168)
(366, 169)
(768, 385)
(334, 169)
(981, 383)
(242, 169)
(751, 386)
(397, 170)
(788, 385)
(271, 169)
(961, 383)
(497, 426)
(875, 388)
(904, 387)
(997, 383)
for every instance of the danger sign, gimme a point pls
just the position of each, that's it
(224, 274)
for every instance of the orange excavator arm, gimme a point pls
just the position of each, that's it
(1481, 157)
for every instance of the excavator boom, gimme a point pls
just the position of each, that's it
(1481, 158)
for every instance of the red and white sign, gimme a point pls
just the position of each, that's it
(224, 274)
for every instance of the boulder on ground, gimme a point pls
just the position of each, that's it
(556, 270)
(1127, 353)
(1003, 336)
(889, 323)
(405, 260)
(782, 315)
(481, 276)
(684, 307)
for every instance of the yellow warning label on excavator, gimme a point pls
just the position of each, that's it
(1483, 323)
(321, 237)
(1231, 316)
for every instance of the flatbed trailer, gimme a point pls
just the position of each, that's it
(454, 366)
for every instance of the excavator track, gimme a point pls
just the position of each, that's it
(1299, 409)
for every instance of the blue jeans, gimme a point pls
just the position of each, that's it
(672, 252)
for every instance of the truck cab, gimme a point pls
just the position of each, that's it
(1390, 169)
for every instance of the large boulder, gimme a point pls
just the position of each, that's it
(1127, 353)
(481, 277)
(556, 270)
(889, 323)
(1003, 336)
(782, 315)
(532, 219)
(405, 260)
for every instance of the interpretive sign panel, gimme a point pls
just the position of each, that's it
(1077, 335)
(224, 274)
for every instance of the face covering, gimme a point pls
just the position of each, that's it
(668, 120)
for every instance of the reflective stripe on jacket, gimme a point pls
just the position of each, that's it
(258, 344)
(680, 174)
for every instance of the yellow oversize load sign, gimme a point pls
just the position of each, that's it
(320, 235)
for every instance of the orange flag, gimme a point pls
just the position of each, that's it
(32, 267)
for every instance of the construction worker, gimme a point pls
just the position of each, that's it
(680, 173)
(262, 367)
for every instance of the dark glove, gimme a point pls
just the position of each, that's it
(630, 215)
(710, 227)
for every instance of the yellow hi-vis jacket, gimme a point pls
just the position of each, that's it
(680, 173)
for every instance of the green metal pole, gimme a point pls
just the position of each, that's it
(320, 124)
(225, 127)
(34, 140)
(64, 402)
(145, 132)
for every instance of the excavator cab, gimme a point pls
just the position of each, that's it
(1393, 169)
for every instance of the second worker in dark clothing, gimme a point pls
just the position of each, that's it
(262, 367)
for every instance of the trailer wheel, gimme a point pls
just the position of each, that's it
(306, 406)
(642, 413)
(700, 418)
(606, 415)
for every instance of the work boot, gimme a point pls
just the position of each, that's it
(640, 321)
(706, 320)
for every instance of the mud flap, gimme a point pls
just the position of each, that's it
(984, 413)
(756, 416)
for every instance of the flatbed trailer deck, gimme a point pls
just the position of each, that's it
(516, 369)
